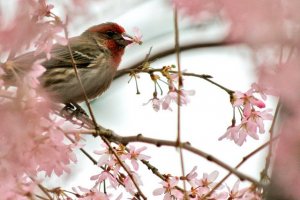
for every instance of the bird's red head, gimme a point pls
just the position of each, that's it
(109, 26)
(113, 37)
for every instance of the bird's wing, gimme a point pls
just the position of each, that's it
(83, 54)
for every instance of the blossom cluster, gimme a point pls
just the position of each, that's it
(276, 52)
(175, 94)
(32, 140)
(28, 133)
(34, 23)
(252, 118)
(203, 188)
(279, 24)
(111, 171)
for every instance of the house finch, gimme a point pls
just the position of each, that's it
(97, 53)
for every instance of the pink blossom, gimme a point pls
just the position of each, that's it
(129, 186)
(47, 39)
(135, 154)
(282, 80)
(199, 193)
(168, 189)
(247, 100)
(219, 195)
(202, 186)
(243, 194)
(27, 135)
(239, 133)
(235, 193)
(42, 10)
(17, 188)
(172, 96)
(137, 36)
(191, 176)
(104, 175)
(107, 158)
(258, 118)
(259, 89)
(197, 9)
(156, 103)
(90, 194)
(279, 24)
(208, 179)
(166, 101)
(253, 195)
(172, 77)
(249, 126)
(31, 78)
(17, 34)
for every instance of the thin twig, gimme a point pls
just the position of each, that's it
(264, 173)
(45, 191)
(171, 50)
(202, 76)
(40, 197)
(209, 80)
(179, 86)
(79, 79)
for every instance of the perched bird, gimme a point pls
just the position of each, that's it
(97, 53)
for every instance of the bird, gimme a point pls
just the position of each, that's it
(97, 53)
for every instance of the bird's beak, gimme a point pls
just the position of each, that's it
(125, 40)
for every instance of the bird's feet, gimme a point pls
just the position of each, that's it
(73, 109)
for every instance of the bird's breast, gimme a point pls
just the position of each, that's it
(117, 52)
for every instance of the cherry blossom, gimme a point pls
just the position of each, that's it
(243, 194)
(105, 174)
(17, 188)
(239, 133)
(258, 117)
(137, 36)
(247, 100)
(282, 80)
(27, 135)
(27, 25)
(168, 189)
(36, 71)
(156, 103)
(235, 193)
(42, 10)
(47, 39)
(278, 24)
(248, 127)
(208, 179)
(106, 156)
(172, 96)
(135, 154)
(256, 88)
(89, 194)
(201, 187)
(129, 186)
(191, 176)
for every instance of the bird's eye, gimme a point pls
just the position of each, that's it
(110, 33)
